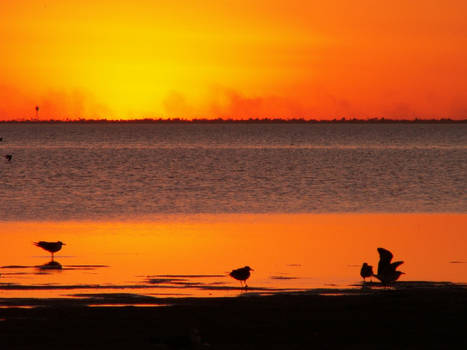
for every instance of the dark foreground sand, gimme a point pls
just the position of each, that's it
(421, 316)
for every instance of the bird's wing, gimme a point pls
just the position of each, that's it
(385, 255)
(396, 264)
(44, 245)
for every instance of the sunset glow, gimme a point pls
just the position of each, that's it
(233, 59)
(307, 251)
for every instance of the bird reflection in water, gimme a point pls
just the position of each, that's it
(51, 247)
(52, 265)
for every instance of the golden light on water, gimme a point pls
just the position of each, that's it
(287, 251)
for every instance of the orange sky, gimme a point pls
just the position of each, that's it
(256, 58)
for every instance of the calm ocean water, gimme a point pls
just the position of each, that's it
(126, 171)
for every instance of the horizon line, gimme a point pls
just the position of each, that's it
(237, 121)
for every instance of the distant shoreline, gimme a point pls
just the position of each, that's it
(238, 121)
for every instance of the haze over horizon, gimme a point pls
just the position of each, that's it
(242, 59)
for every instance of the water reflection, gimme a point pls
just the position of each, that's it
(52, 265)
(193, 255)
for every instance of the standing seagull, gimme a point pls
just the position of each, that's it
(386, 269)
(366, 271)
(241, 274)
(51, 247)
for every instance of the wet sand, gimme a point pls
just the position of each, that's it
(150, 285)
(413, 315)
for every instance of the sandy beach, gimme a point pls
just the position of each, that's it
(412, 315)
(164, 285)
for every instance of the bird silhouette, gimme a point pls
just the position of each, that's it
(8, 157)
(51, 247)
(366, 271)
(241, 274)
(386, 269)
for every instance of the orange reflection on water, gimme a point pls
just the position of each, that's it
(286, 251)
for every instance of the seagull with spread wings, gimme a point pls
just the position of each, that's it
(387, 270)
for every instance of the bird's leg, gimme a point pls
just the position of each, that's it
(52, 256)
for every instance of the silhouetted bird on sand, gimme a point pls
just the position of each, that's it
(241, 274)
(8, 157)
(51, 247)
(386, 269)
(366, 271)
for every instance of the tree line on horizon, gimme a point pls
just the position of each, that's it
(239, 121)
